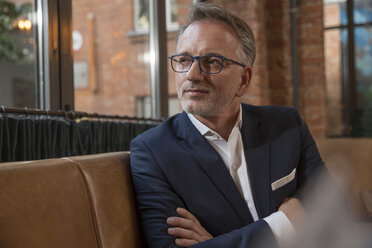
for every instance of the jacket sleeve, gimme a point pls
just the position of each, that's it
(156, 201)
(312, 170)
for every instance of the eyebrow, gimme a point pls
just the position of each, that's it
(214, 54)
(209, 54)
(184, 53)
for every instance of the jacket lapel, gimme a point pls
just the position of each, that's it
(257, 153)
(212, 164)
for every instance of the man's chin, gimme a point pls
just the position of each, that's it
(197, 110)
(192, 109)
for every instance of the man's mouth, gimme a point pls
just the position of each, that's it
(196, 92)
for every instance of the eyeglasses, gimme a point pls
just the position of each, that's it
(210, 64)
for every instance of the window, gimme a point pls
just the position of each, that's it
(35, 57)
(141, 15)
(348, 59)
(143, 105)
(18, 56)
(110, 67)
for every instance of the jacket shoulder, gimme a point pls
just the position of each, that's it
(271, 111)
(161, 132)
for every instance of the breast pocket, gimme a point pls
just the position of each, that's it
(284, 186)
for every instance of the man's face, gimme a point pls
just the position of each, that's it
(210, 94)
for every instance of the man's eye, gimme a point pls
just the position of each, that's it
(214, 61)
(184, 60)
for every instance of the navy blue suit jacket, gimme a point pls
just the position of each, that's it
(174, 166)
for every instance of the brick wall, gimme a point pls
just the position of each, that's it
(333, 71)
(279, 52)
(311, 66)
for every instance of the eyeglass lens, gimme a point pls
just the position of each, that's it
(208, 64)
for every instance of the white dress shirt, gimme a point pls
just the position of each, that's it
(232, 153)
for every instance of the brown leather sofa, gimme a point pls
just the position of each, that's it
(350, 163)
(88, 201)
(80, 202)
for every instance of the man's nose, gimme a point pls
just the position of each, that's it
(195, 74)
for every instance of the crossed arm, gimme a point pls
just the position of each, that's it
(188, 231)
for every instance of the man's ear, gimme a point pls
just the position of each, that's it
(245, 77)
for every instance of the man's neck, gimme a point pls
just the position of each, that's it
(222, 123)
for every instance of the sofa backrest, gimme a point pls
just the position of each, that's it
(350, 163)
(84, 201)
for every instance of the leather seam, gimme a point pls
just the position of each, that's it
(90, 202)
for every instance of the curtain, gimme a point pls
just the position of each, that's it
(41, 137)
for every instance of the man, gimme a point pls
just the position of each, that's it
(222, 173)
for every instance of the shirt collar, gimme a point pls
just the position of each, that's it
(204, 130)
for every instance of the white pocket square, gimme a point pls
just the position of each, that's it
(284, 180)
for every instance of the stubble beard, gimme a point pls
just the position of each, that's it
(198, 107)
(209, 105)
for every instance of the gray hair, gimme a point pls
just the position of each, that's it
(207, 11)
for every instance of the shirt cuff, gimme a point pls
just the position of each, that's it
(281, 227)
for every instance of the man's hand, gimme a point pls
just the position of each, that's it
(294, 210)
(187, 229)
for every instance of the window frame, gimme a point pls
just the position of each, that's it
(349, 79)
(170, 26)
(60, 93)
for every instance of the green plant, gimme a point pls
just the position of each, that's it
(11, 49)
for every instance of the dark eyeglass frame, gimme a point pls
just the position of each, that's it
(193, 58)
